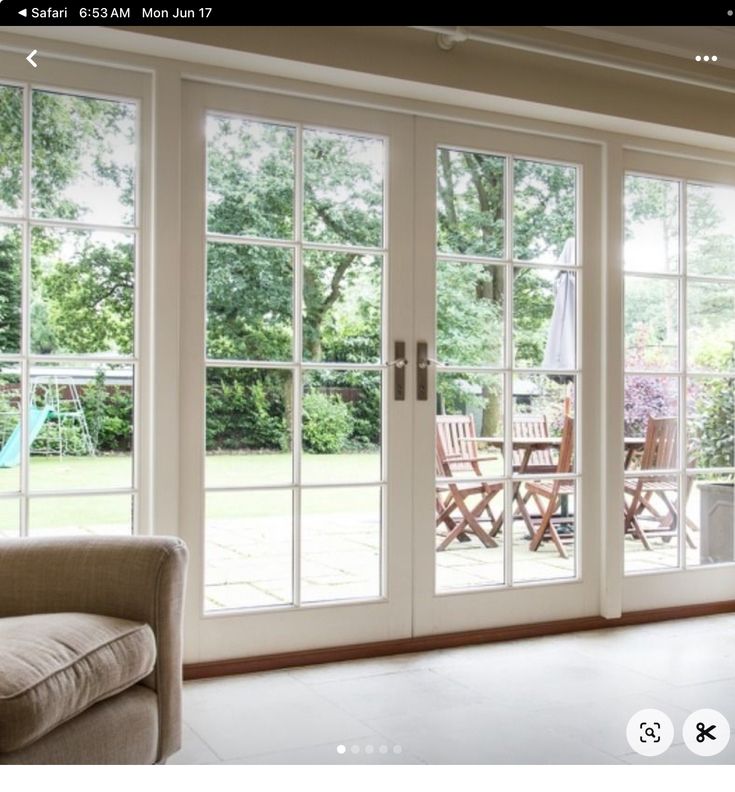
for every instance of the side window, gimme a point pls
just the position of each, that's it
(679, 373)
(68, 359)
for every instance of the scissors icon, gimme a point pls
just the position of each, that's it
(705, 732)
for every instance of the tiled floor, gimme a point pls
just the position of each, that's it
(561, 699)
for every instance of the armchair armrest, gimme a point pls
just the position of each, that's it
(140, 578)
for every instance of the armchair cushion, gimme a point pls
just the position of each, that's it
(56, 665)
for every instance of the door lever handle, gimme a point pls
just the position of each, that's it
(423, 361)
(399, 363)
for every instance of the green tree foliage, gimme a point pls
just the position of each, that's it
(10, 288)
(90, 298)
(11, 149)
(82, 293)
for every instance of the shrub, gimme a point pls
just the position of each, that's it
(108, 410)
(328, 423)
(713, 424)
(247, 409)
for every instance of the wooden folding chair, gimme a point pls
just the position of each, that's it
(459, 444)
(528, 425)
(552, 492)
(659, 453)
(451, 498)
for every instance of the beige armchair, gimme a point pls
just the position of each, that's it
(90, 649)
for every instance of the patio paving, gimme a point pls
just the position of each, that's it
(246, 568)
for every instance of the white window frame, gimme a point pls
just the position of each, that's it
(683, 584)
(102, 83)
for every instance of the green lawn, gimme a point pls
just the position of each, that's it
(50, 474)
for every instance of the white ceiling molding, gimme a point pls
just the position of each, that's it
(634, 55)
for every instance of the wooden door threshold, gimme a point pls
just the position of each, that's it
(425, 643)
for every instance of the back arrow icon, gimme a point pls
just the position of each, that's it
(30, 60)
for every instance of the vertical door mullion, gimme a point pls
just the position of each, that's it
(509, 365)
(298, 386)
(682, 434)
(25, 372)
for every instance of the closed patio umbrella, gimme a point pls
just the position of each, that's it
(561, 342)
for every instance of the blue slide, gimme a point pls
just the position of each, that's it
(10, 452)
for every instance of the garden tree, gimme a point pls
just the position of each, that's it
(11, 149)
(80, 303)
(90, 298)
(85, 281)
(249, 288)
(251, 187)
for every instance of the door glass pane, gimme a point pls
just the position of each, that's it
(470, 321)
(341, 426)
(343, 188)
(9, 518)
(249, 302)
(710, 519)
(470, 203)
(544, 318)
(651, 224)
(250, 178)
(91, 515)
(82, 292)
(711, 326)
(710, 230)
(248, 549)
(11, 150)
(84, 159)
(469, 425)
(651, 324)
(544, 212)
(248, 427)
(80, 426)
(651, 517)
(10, 286)
(711, 422)
(10, 430)
(469, 535)
(544, 529)
(342, 307)
(340, 543)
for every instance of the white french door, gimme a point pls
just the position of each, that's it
(297, 485)
(319, 238)
(508, 297)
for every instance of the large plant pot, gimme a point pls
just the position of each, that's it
(717, 522)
